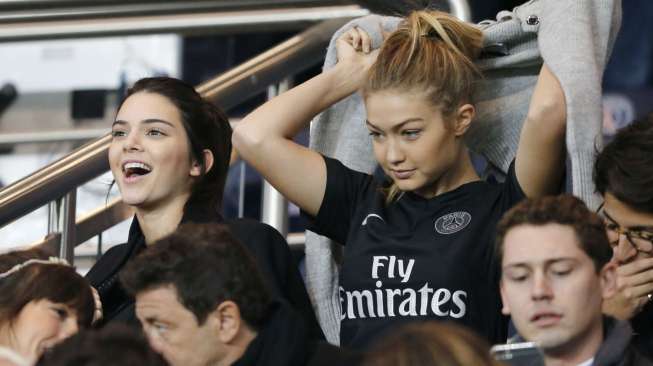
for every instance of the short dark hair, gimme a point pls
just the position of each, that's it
(624, 167)
(206, 126)
(207, 266)
(54, 282)
(564, 210)
(114, 344)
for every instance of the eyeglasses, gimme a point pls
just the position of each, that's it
(641, 240)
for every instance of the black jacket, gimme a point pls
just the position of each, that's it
(642, 323)
(283, 341)
(617, 348)
(268, 247)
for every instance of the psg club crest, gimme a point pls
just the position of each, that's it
(453, 222)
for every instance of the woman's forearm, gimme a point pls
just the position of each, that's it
(285, 115)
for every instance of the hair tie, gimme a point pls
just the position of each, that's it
(431, 34)
(50, 260)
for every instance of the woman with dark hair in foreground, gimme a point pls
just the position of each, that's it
(42, 301)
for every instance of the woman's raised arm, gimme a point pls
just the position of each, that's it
(264, 137)
(540, 161)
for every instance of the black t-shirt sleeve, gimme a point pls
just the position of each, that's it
(642, 323)
(344, 190)
(512, 191)
(511, 194)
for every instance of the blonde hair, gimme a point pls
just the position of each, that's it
(433, 52)
(429, 344)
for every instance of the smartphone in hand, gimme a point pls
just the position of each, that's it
(518, 354)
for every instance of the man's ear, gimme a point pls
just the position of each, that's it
(196, 167)
(608, 278)
(463, 119)
(226, 321)
(505, 309)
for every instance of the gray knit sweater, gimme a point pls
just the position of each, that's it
(574, 38)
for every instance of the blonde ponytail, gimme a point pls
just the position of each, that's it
(463, 39)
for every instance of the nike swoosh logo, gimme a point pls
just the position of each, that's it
(371, 215)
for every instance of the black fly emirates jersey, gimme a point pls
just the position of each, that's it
(415, 259)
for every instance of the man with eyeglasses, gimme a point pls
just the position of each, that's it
(623, 175)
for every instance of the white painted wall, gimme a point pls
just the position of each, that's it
(62, 65)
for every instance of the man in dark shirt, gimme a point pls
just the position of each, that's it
(556, 272)
(202, 302)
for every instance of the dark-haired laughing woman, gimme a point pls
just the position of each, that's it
(169, 157)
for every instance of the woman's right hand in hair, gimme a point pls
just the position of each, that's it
(354, 47)
(264, 137)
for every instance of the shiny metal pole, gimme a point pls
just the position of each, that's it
(67, 215)
(274, 206)
(62, 220)
(241, 189)
(53, 216)
(460, 9)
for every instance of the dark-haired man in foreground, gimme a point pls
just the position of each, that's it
(202, 302)
(556, 272)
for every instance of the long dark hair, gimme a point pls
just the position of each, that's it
(206, 126)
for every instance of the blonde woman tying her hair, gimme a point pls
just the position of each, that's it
(419, 245)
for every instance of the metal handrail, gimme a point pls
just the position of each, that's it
(49, 10)
(206, 20)
(90, 160)
(270, 67)
(76, 135)
(54, 180)
(39, 137)
(33, 11)
(90, 224)
(460, 9)
(29, 20)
